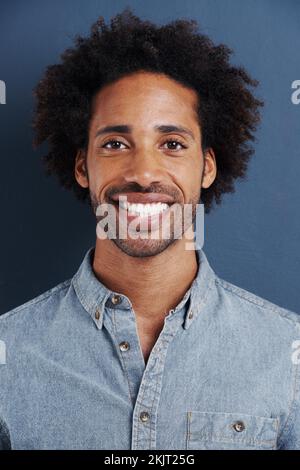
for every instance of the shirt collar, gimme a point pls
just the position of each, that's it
(201, 288)
(94, 296)
(91, 293)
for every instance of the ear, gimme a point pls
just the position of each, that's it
(210, 168)
(81, 174)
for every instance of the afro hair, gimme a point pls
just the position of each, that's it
(228, 111)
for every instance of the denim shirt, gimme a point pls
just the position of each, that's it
(220, 376)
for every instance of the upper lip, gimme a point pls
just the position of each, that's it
(144, 198)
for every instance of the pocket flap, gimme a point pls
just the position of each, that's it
(241, 430)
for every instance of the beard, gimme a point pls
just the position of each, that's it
(141, 247)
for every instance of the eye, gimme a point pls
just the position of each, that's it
(115, 144)
(173, 144)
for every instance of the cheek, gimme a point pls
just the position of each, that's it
(188, 177)
(99, 174)
(103, 174)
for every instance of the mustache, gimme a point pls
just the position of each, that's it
(137, 188)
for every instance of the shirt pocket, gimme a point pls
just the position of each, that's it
(230, 431)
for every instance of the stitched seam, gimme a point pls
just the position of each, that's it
(207, 438)
(122, 359)
(154, 396)
(139, 406)
(159, 357)
(188, 429)
(140, 402)
(229, 414)
(82, 297)
(127, 376)
(205, 298)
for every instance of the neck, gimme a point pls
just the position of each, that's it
(153, 284)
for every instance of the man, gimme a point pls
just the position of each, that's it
(146, 347)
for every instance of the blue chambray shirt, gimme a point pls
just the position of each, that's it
(221, 375)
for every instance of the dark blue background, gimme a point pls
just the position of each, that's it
(252, 240)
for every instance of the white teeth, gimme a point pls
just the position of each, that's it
(143, 209)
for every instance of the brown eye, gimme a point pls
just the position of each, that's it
(173, 144)
(114, 144)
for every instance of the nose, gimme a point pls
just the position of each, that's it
(144, 168)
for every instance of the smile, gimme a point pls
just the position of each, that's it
(143, 210)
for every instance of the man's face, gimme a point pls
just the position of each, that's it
(151, 153)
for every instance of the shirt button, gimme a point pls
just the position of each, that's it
(116, 299)
(124, 346)
(97, 314)
(239, 426)
(144, 416)
(191, 314)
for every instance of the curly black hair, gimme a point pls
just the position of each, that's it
(228, 111)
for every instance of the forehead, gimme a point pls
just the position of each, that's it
(146, 97)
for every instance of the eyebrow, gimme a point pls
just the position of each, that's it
(163, 129)
(167, 129)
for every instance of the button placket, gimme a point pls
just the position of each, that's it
(121, 322)
(144, 430)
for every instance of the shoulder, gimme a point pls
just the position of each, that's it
(36, 305)
(252, 306)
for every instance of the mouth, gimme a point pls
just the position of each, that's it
(143, 205)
